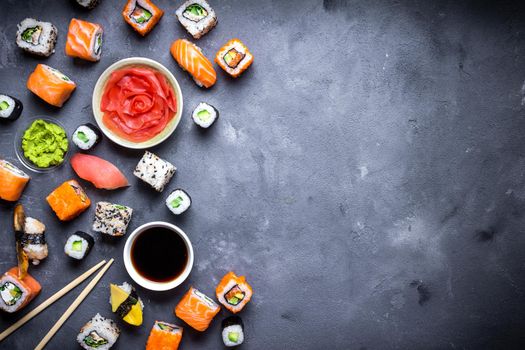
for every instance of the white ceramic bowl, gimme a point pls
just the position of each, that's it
(153, 285)
(98, 91)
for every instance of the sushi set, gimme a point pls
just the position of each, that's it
(137, 103)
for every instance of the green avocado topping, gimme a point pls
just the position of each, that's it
(140, 15)
(176, 202)
(4, 105)
(15, 293)
(44, 143)
(233, 336)
(165, 327)
(94, 340)
(32, 35)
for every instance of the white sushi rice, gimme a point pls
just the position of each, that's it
(76, 254)
(89, 4)
(154, 171)
(6, 113)
(195, 26)
(112, 219)
(88, 134)
(45, 44)
(178, 201)
(13, 169)
(58, 74)
(104, 327)
(5, 282)
(233, 329)
(204, 115)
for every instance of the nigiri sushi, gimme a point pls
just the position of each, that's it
(233, 292)
(50, 85)
(34, 240)
(84, 40)
(164, 336)
(126, 303)
(234, 57)
(98, 171)
(142, 15)
(197, 309)
(190, 58)
(12, 181)
(15, 293)
(68, 200)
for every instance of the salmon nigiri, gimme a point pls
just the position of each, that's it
(98, 171)
(84, 40)
(197, 309)
(50, 85)
(190, 58)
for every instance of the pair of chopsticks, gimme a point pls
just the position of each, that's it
(57, 296)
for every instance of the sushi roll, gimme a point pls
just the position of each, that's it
(154, 171)
(164, 336)
(142, 15)
(233, 292)
(10, 107)
(68, 200)
(50, 85)
(197, 309)
(84, 40)
(36, 37)
(15, 293)
(232, 331)
(191, 59)
(88, 4)
(13, 181)
(33, 240)
(99, 333)
(112, 219)
(234, 57)
(178, 201)
(197, 17)
(205, 115)
(87, 136)
(126, 303)
(78, 245)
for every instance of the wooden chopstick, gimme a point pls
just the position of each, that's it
(73, 307)
(50, 301)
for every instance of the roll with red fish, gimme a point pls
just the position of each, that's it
(197, 309)
(84, 40)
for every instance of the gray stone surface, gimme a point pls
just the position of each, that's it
(366, 173)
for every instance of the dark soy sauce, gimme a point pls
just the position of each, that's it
(159, 254)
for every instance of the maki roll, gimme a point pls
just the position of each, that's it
(99, 333)
(126, 303)
(154, 171)
(197, 309)
(88, 4)
(197, 17)
(50, 85)
(13, 181)
(233, 292)
(232, 331)
(15, 292)
(84, 40)
(36, 37)
(112, 219)
(234, 57)
(78, 245)
(87, 136)
(178, 201)
(164, 336)
(68, 200)
(204, 115)
(142, 15)
(33, 240)
(10, 108)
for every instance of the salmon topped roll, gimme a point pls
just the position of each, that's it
(234, 57)
(164, 336)
(233, 292)
(12, 181)
(68, 200)
(15, 293)
(197, 310)
(190, 58)
(50, 85)
(142, 15)
(84, 40)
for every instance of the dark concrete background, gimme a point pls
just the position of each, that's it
(366, 173)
